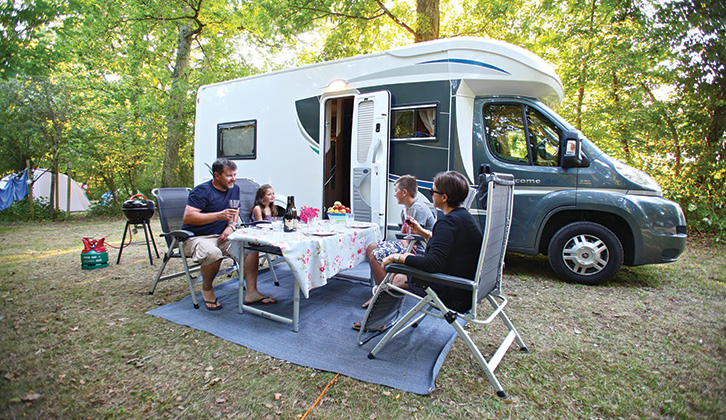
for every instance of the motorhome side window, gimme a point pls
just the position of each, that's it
(413, 123)
(534, 141)
(237, 140)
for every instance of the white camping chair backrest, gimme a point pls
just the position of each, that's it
(498, 191)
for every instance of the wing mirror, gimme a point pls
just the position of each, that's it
(572, 156)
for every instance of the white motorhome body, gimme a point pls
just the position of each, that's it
(346, 130)
(291, 119)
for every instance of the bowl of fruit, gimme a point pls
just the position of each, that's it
(338, 212)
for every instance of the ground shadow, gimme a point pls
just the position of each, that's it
(538, 266)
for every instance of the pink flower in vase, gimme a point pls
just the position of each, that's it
(307, 214)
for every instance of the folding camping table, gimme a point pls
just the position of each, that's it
(314, 253)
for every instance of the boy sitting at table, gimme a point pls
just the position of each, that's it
(405, 191)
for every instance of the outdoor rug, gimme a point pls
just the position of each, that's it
(325, 340)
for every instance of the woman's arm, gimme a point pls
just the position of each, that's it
(438, 250)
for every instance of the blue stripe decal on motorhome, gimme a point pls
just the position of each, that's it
(421, 184)
(427, 185)
(469, 62)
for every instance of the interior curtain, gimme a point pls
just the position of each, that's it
(427, 116)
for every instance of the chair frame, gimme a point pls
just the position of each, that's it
(499, 193)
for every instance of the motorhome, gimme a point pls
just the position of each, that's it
(345, 130)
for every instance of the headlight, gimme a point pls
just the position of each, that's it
(638, 177)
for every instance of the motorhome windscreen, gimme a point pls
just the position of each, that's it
(413, 123)
(237, 140)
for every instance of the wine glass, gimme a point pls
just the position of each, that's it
(409, 212)
(234, 204)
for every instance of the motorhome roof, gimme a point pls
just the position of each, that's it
(489, 67)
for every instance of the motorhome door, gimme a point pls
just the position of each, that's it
(369, 157)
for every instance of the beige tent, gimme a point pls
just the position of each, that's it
(41, 189)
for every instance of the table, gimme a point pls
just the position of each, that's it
(314, 253)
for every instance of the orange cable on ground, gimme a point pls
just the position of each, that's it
(320, 396)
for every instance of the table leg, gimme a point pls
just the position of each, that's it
(241, 277)
(295, 305)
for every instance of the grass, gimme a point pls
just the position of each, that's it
(77, 344)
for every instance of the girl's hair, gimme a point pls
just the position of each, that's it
(454, 185)
(259, 197)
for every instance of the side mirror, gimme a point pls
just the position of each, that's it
(571, 152)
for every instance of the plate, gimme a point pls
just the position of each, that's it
(359, 226)
(331, 233)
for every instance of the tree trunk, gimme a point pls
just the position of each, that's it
(623, 136)
(671, 128)
(427, 20)
(171, 169)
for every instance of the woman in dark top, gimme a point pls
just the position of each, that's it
(453, 244)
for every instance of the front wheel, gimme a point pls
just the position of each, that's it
(585, 253)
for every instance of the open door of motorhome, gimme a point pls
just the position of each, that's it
(369, 157)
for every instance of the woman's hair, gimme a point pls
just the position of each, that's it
(259, 197)
(454, 185)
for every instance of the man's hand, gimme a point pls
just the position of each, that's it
(225, 234)
(194, 216)
(230, 215)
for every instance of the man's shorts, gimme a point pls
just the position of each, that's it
(205, 250)
(386, 248)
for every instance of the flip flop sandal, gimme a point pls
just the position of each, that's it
(217, 306)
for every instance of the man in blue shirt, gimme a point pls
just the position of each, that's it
(208, 215)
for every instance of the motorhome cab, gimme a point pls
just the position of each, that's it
(346, 130)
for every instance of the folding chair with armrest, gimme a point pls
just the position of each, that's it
(498, 191)
(171, 203)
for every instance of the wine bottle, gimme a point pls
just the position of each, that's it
(294, 214)
(289, 217)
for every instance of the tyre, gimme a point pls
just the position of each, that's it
(585, 253)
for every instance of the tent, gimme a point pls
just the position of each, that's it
(41, 189)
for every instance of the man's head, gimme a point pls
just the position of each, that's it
(405, 189)
(224, 172)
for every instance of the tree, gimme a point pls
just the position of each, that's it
(696, 34)
(26, 36)
(17, 135)
(359, 27)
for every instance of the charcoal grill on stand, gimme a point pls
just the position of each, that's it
(138, 210)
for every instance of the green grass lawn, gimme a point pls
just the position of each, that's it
(77, 344)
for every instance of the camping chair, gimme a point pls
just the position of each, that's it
(171, 203)
(498, 191)
(248, 189)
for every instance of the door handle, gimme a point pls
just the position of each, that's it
(375, 150)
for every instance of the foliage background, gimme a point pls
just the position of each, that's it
(109, 86)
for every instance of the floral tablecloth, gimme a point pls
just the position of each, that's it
(314, 253)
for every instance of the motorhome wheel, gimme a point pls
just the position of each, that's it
(585, 253)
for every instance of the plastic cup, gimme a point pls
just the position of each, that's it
(277, 224)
